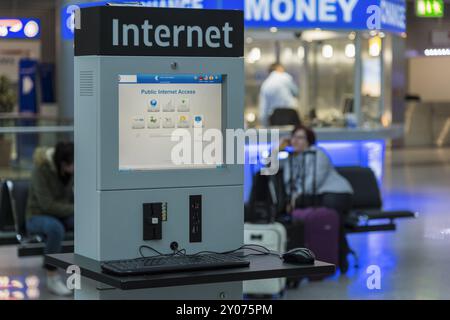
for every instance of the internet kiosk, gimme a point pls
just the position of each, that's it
(141, 74)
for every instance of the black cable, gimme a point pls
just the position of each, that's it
(251, 247)
(245, 246)
(182, 252)
(149, 248)
(152, 249)
(266, 252)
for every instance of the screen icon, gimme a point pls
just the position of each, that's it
(153, 122)
(183, 105)
(198, 121)
(183, 121)
(153, 106)
(138, 123)
(169, 106)
(168, 122)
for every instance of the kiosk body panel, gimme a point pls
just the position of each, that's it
(86, 134)
(121, 213)
(120, 204)
(105, 189)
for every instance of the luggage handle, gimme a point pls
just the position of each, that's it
(303, 176)
(258, 237)
(314, 183)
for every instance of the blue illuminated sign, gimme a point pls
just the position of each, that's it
(388, 15)
(19, 28)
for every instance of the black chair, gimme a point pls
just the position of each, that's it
(18, 191)
(284, 117)
(367, 211)
(29, 244)
(7, 230)
(267, 199)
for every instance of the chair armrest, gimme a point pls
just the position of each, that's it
(26, 239)
(37, 249)
(371, 228)
(381, 214)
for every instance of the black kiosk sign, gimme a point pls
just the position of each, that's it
(143, 31)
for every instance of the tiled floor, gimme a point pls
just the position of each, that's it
(414, 261)
(22, 278)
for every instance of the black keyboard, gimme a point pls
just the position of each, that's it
(163, 264)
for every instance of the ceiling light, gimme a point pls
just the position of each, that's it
(350, 50)
(301, 52)
(374, 46)
(287, 54)
(327, 51)
(250, 117)
(437, 52)
(254, 55)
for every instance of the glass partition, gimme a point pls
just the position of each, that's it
(331, 64)
(323, 64)
(371, 92)
(259, 55)
(292, 57)
(21, 135)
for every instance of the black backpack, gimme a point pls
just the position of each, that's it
(268, 199)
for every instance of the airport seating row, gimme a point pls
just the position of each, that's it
(13, 200)
(367, 214)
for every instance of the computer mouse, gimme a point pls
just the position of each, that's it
(299, 256)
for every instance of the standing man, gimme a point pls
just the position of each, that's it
(278, 91)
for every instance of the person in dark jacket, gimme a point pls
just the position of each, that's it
(50, 209)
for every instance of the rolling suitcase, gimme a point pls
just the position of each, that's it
(318, 226)
(320, 232)
(273, 237)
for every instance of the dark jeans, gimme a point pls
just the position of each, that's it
(342, 203)
(53, 229)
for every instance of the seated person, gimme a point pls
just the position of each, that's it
(331, 189)
(50, 203)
